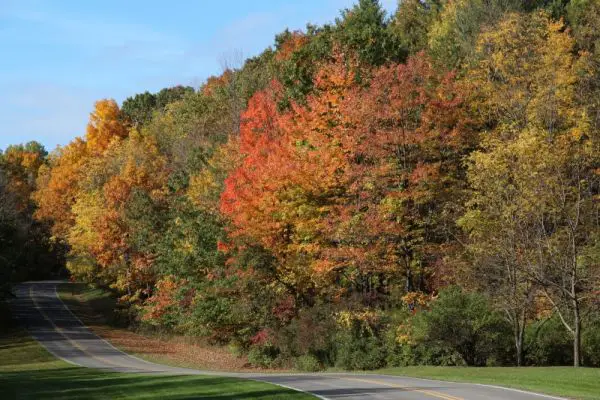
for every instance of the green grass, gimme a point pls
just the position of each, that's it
(28, 371)
(575, 383)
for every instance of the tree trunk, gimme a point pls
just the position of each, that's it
(576, 335)
(519, 352)
(518, 322)
(519, 346)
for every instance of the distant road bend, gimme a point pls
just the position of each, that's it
(40, 310)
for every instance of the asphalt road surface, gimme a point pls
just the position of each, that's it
(40, 310)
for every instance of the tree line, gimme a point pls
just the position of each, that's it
(26, 248)
(414, 189)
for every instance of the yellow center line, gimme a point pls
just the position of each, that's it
(431, 393)
(62, 333)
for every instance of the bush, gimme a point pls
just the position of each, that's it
(262, 356)
(402, 351)
(235, 348)
(360, 352)
(591, 343)
(548, 343)
(405, 355)
(308, 363)
(360, 340)
(464, 324)
(312, 332)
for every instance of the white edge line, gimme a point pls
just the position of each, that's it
(547, 396)
(375, 374)
(40, 342)
(288, 387)
(99, 337)
(56, 355)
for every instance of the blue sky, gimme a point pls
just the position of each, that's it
(58, 57)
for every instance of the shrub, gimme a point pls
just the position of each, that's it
(362, 352)
(548, 343)
(83, 269)
(262, 356)
(404, 355)
(312, 332)
(360, 342)
(461, 323)
(235, 348)
(307, 363)
(591, 344)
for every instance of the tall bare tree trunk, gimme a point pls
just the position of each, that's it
(519, 335)
(576, 335)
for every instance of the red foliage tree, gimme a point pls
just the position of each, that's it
(355, 186)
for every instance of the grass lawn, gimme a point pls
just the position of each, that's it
(575, 383)
(28, 371)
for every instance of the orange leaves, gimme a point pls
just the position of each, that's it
(334, 78)
(290, 177)
(104, 126)
(342, 182)
(111, 245)
(116, 191)
(139, 167)
(58, 186)
(258, 145)
(425, 172)
(164, 298)
(88, 188)
(213, 83)
(293, 42)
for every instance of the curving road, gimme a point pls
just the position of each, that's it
(40, 310)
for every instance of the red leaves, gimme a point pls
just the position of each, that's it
(259, 142)
(262, 338)
(425, 173)
(259, 120)
(285, 310)
(341, 181)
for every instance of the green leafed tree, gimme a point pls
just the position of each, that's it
(453, 36)
(139, 109)
(412, 22)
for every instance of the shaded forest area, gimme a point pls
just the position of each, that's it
(420, 188)
(27, 250)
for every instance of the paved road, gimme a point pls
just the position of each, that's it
(50, 322)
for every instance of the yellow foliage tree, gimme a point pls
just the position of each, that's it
(105, 125)
(532, 210)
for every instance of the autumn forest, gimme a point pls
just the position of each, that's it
(421, 188)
